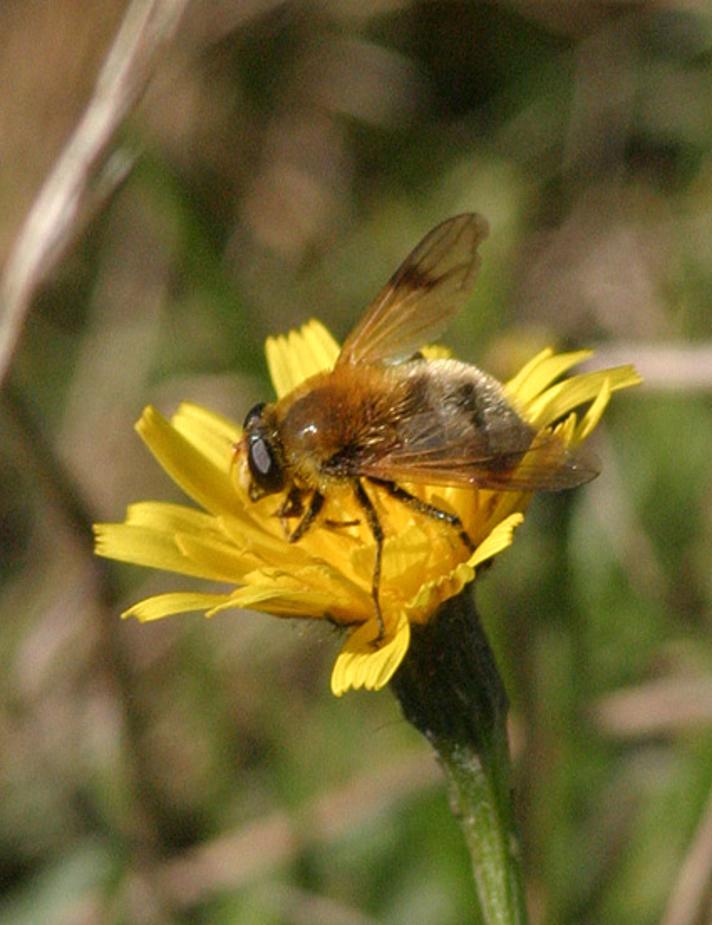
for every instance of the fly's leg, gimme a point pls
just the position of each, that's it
(422, 507)
(377, 530)
(292, 506)
(316, 503)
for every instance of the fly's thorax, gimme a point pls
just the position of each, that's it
(314, 425)
(329, 426)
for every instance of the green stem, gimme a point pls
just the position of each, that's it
(449, 689)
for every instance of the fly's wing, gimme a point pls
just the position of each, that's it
(417, 303)
(453, 455)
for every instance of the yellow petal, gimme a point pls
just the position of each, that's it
(410, 549)
(255, 536)
(302, 354)
(499, 539)
(345, 595)
(276, 600)
(431, 594)
(213, 435)
(563, 397)
(436, 352)
(199, 478)
(566, 428)
(514, 385)
(364, 662)
(170, 518)
(151, 548)
(278, 364)
(224, 561)
(594, 413)
(165, 605)
(540, 372)
(320, 345)
(308, 592)
(501, 505)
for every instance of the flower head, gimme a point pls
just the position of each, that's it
(328, 573)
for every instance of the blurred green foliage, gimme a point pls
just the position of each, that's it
(292, 154)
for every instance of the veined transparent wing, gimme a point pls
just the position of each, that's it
(417, 303)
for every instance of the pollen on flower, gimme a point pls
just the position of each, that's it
(242, 546)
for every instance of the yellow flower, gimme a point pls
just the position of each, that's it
(328, 572)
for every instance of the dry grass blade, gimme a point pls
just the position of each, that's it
(51, 223)
(239, 857)
(691, 897)
(668, 706)
(664, 367)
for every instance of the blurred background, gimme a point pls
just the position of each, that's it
(288, 156)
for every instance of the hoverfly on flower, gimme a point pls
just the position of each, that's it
(385, 415)
(401, 472)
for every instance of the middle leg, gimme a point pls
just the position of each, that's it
(422, 507)
(377, 530)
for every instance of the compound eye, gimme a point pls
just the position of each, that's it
(261, 459)
(264, 468)
(254, 414)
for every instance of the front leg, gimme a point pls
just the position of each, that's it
(293, 504)
(316, 503)
(377, 531)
